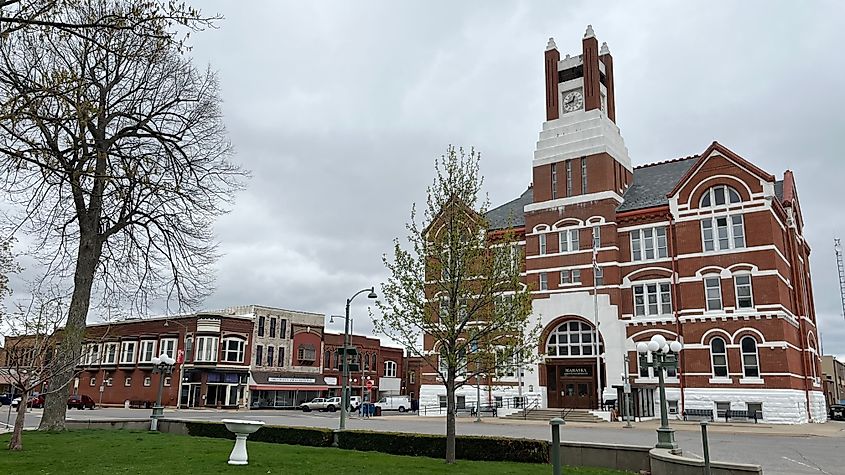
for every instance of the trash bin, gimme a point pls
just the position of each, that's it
(377, 410)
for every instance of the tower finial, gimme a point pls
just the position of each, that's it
(604, 49)
(589, 33)
(551, 45)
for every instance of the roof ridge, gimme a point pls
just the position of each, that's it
(672, 160)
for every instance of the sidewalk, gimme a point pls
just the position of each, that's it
(827, 429)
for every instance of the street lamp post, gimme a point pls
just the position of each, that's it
(163, 365)
(344, 395)
(664, 354)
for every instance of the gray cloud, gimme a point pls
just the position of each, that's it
(339, 109)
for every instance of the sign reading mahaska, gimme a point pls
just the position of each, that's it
(577, 371)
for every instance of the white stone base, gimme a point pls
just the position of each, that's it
(780, 406)
(430, 396)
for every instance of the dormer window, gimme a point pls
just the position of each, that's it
(719, 196)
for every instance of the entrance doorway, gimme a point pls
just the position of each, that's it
(572, 384)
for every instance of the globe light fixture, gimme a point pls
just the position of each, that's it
(664, 355)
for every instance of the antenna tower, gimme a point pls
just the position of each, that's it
(837, 248)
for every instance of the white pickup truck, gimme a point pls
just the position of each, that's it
(321, 404)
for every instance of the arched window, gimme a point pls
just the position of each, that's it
(572, 338)
(719, 195)
(389, 369)
(719, 358)
(367, 362)
(750, 360)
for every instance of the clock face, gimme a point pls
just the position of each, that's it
(573, 101)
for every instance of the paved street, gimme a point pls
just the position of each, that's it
(793, 450)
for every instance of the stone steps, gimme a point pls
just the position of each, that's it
(571, 415)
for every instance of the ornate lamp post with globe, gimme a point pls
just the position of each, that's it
(163, 365)
(664, 354)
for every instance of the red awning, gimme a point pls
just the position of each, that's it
(274, 387)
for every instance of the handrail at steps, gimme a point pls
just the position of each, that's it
(533, 405)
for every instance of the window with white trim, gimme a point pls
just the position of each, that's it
(206, 349)
(167, 346)
(652, 299)
(95, 354)
(569, 178)
(389, 369)
(596, 237)
(649, 243)
(719, 195)
(719, 358)
(648, 371)
(570, 276)
(598, 275)
(270, 356)
(750, 360)
(583, 175)
(127, 352)
(110, 354)
(572, 338)
(554, 180)
(568, 240)
(148, 351)
(544, 281)
(542, 239)
(233, 350)
(713, 293)
(506, 363)
(721, 233)
(744, 295)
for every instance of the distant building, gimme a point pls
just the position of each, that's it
(211, 350)
(833, 373)
(382, 365)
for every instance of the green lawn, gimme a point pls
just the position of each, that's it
(111, 452)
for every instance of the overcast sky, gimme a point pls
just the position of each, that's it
(340, 108)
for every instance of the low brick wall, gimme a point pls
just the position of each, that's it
(619, 457)
(665, 463)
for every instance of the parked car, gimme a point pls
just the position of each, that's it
(316, 404)
(34, 401)
(333, 404)
(354, 402)
(837, 412)
(80, 401)
(5, 399)
(394, 403)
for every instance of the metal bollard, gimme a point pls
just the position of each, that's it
(706, 448)
(556, 423)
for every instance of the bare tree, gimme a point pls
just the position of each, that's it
(457, 289)
(32, 335)
(159, 19)
(116, 156)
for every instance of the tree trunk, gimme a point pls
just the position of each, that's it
(70, 347)
(450, 419)
(16, 443)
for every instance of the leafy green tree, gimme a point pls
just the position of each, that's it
(455, 297)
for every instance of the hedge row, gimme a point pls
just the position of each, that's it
(494, 449)
(498, 449)
(273, 434)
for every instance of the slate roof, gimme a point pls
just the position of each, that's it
(512, 213)
(652, 183)
(648, 189)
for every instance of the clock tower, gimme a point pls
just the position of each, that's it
(580, 156)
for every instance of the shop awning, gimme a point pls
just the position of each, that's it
(274, 387)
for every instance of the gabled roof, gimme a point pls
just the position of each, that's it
(651, 183)
(726, 152)
(512, 213)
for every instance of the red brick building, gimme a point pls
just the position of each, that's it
(212, 353)
(383, 365)
(707, 249)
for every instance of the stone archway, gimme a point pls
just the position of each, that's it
(571, 372)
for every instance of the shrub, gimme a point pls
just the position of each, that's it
(272, 434)
(466, 447)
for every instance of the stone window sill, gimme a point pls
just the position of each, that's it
(721, 380)
(751, 381)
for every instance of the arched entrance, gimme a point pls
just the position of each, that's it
(570, 364)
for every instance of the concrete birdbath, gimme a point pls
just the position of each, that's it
(241, 429)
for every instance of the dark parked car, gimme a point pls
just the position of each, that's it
(837, 412)
(5, 399)
(80, 401)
